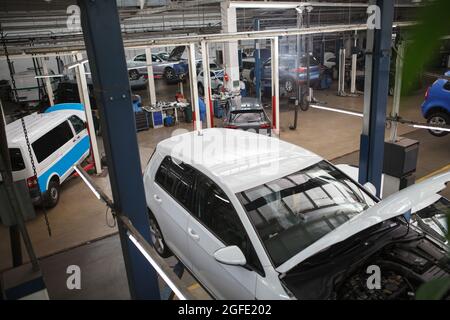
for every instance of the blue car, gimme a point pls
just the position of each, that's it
(436, 107)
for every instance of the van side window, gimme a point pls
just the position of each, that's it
(77, 124)
(217, 213)
(177, 179)
(52, 141)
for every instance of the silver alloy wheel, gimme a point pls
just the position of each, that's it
(156, 236)
(288, 86)
(170, 74)
(54, 193)
(437, 121)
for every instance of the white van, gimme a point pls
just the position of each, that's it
(58, 140)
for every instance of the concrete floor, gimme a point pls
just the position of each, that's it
(79, 220)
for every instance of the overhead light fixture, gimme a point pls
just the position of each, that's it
(157, 267)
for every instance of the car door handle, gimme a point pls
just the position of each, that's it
(193, 234)
(157, 198)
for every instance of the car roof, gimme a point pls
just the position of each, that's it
(237, 159)
(36, 124)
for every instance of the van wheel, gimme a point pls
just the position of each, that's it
(157, 238)
(440, 119)
(52, 195)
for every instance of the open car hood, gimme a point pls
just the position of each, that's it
(176, 53)
(412, 198)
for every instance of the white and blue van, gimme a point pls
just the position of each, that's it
(59, 140)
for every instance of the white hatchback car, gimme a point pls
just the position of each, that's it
(253, 217)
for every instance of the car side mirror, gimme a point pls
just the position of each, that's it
(371, 188)
(230, 255)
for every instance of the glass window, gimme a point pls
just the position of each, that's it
(177, 179)
(77, 123)
(293, 212)
(247, 116)
(164, 177)
(216, 212)
(52, 141)
(17, 162)
(141, 57)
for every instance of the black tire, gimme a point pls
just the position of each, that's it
(289, 85)
(134, 74)
(304, 106)
(201, 90)
(52, 194)
(157, 237)
(438, 118)
(169, 75)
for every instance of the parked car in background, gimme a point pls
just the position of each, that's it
(436, 107)
(249, 116)
(212, 65)
(173, 69)
(216, 80)
(248, 69)
(290, 75)
(253, 217)
(58, 140)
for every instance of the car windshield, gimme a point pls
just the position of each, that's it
(246, 116)
(292, 212)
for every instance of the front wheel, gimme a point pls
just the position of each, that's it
(289, 85)
(157, 238)
(438, 119)
(169, 74)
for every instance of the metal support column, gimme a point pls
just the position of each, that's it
(207, 85)
(151, 78)
(113, 96)
(48, 83)
(341, 78)
(354, 65)
(230, 52)
(275, 87)
(194, 87)
(257, 55)
(78, 78)
(378, 61)
(84, 90)
(397, 89)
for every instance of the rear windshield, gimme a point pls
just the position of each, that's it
(17, 162)
(247, 116)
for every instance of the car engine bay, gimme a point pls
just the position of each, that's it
(405, 258)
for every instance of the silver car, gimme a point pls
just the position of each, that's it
(173, 70)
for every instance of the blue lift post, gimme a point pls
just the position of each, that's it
(104, 47)
(376, 97)
(257, 55)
